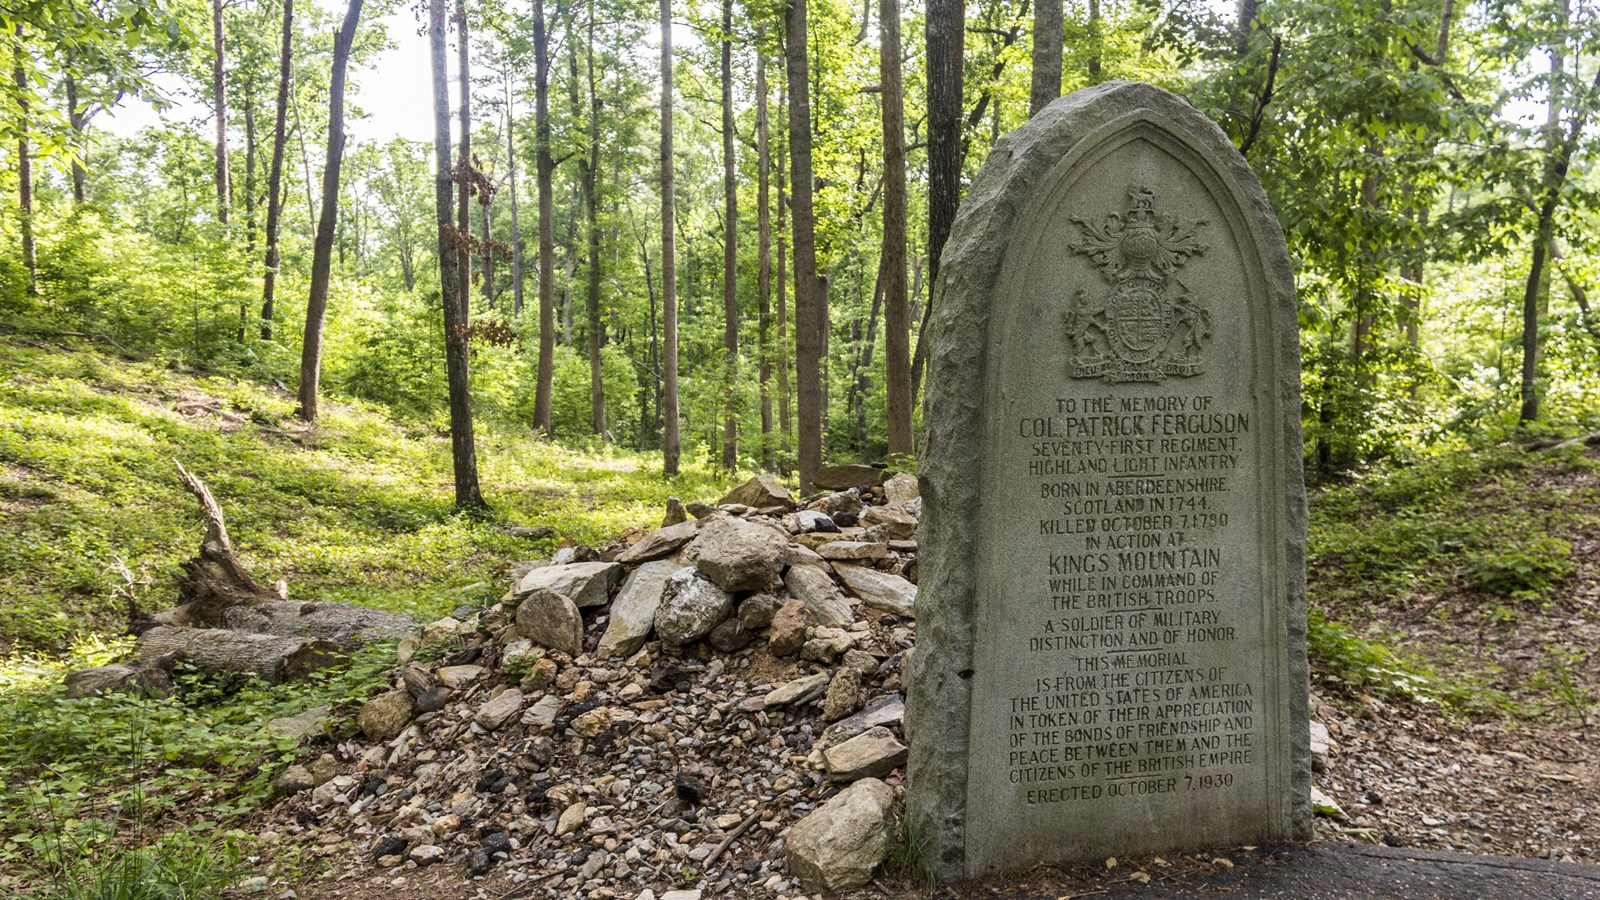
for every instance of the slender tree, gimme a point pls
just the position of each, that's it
(669, 261)
(511, 176)
(810, 301)
(588, 166)
(781, 280)
(78, 121)
(322, 246)
(946, 51)
(730, 256)
(30, 252)
(544, 171)
(219, 92)
(280, 131)
(764, 252)
(463, 449)
(1046, 55)
(897, 311)
(464, 166)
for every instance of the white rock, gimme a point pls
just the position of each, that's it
(880, 590)
(836, 847)
(633, 613)
(585, 584)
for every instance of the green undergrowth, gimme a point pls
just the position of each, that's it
(102, 791)
(1480, 533)
(358, 509)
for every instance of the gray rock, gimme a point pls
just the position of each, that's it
(893, 522)
(789, 627)
(1321, 746)
(675, 512)
(757, 610)
(787, 693)
(542, 713)
(801, 555)
(433, 700)
(886, 710)
(633, 613)
(872, 754)
(840, 504)
(836, 847)
(458, 676)
(385, 715)
(758, 492)
(739, 555)
(660, 543)
(862, 662)
(880, 590)
(690, 607)
(852, 551)
(815, 588)
(426, 854)
(900, 488)
(584, 583)
(825, 644)
(810, 520)
(551, 619)
(293, 780)
(730, 636)
(499, 710)
(842, 478)
(844, 694)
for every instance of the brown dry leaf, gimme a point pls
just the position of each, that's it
(1111, 862)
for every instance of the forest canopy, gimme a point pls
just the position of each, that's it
(726, 247)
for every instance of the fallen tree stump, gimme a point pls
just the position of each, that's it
(228, 623)
(216, 651)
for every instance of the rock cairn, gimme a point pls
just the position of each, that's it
(711, 707)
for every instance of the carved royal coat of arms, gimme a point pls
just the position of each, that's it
(1145, 324)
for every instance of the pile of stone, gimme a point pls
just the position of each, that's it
(715, 704)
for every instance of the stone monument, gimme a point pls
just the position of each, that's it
(1111, 622)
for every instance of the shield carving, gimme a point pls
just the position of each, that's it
(1140, 322)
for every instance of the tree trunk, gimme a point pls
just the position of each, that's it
(861, 380)
(946, 49)
(322, 248)
(80, 144)
(781, 279)
(463, 449)
(30, 252)
(669, 262)
(764, 253)
(897, 314)
(464, 165)
(810, 304)
(588, 165)
(730, 257)
(216, 651)
(219, 91)
(544, 168)
(516, 224)
(275, 168)
(249, 168)
(1046, 55)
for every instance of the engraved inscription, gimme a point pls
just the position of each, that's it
(1146, 325)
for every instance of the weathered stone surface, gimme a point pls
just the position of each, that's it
(757, 610)
(385, 715)
(789, 692)
(837, 846)
(872, 754)
(738, 555)
(762, 490)
(900, 488)
(675, 513)
(789, 628)
(815, 588)
(690, 607)
(879, 590)
(543, 712)
(499, 710)
(893, 521)
(842, 478)
(584, 583)
(633, 613)
(809, 520)
(661, 543)
(458, 677)
(844, 694)
(886, 710)
(825, 644)
(1116, 281)
(730, 636)
(551, 619)
(841, 506)
(853, 551)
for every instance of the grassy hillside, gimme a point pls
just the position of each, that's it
(357, 509)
